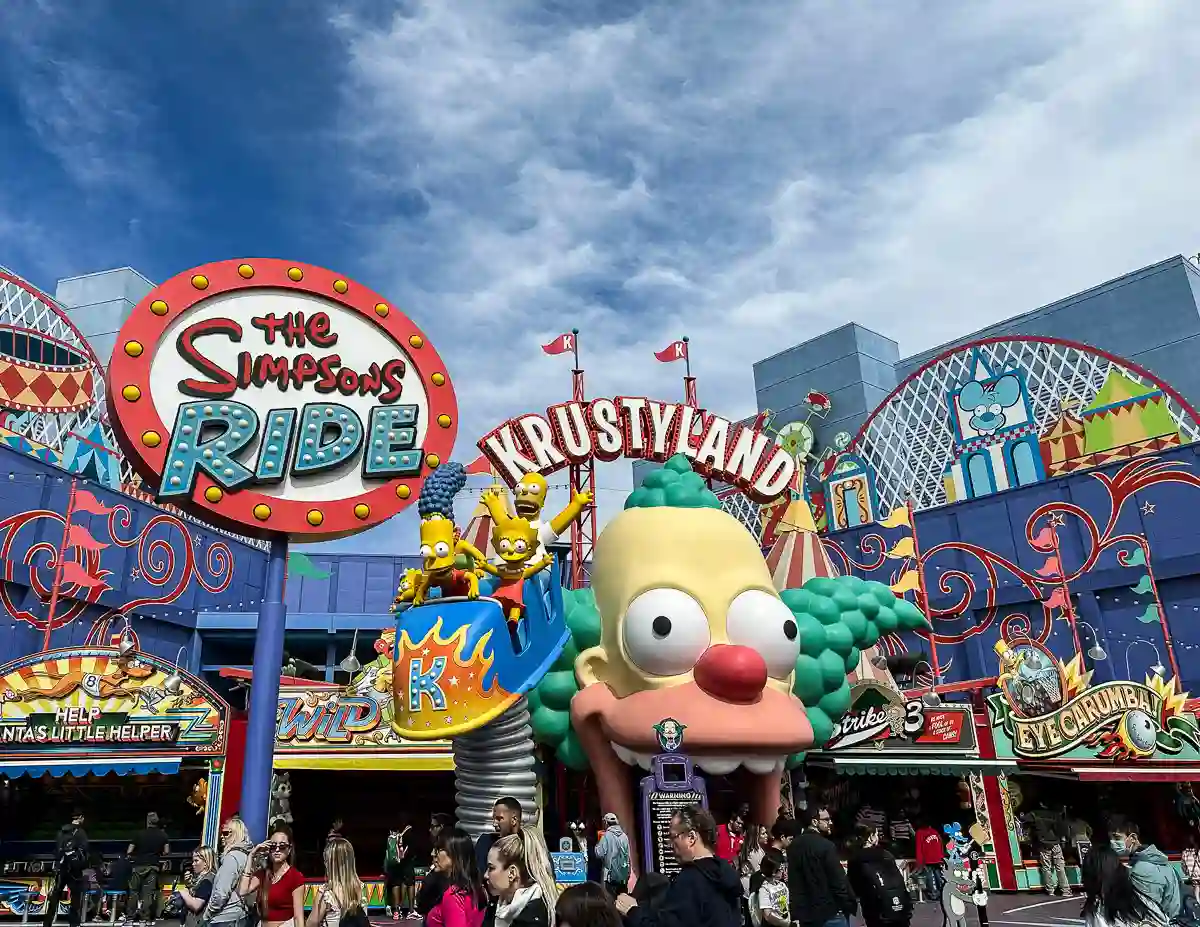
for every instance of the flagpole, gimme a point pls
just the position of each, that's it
(689, 382)
(58, 568)
(575, 346)
(922, 595)
(1066, 590)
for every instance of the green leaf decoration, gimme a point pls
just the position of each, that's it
(1150, 615)
(838, 617)
(1143, 585)
(1137, 558)
(299, 565)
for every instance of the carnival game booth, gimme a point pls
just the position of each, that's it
(337, 759)
(111, 732)
(1114, 753)
(937, 762)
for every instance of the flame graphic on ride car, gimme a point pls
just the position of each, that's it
(441, 688)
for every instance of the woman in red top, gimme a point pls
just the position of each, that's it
(278, 884)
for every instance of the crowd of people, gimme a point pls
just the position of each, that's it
(730, 875)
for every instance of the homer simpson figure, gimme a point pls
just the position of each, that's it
(529, 496)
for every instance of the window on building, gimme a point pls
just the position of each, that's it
(979, 475)
(1024, 464)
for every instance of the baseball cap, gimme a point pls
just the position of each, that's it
(611, 818)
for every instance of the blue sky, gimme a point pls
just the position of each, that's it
(748, 174)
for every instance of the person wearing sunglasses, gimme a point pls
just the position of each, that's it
(226, 906)
(706, 892)
(276, 883)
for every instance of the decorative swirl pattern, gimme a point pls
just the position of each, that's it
(1044, 530)
(157, 560)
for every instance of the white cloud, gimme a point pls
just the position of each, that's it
(754, 176)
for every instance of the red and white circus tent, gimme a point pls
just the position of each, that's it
(796, 555)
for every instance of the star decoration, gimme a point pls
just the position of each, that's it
(454, 680)
(1147, 508)
(135, 573)
(1056, 520)
(425, 652)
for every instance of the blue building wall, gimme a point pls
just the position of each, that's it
(1150, 316)
(1106, 596)
(99, 303)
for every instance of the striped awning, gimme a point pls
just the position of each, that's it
(99, 767)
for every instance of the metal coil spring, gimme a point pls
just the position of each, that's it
(492, 762)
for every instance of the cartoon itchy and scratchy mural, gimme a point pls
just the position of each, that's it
(682, 621)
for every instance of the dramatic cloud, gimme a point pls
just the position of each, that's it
(754, 176)
(750, 175)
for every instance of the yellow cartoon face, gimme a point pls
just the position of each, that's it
(515, 540)
(408, 584)
(437, 543)
(529, 496)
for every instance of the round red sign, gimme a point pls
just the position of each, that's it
(272, 397)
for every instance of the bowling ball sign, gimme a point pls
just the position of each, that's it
(276, 398)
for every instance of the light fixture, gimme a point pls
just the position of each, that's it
(1156, 667)
(173, 684)
(929, 699)
(126, 644)
(1096, 651)
(351, 664)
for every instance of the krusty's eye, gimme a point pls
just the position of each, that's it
(441, 548)
(665, 631)
(758, 619)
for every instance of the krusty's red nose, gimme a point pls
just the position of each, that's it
(732, 673)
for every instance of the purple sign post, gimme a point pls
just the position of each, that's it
(671, 785)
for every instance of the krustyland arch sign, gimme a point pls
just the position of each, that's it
(636, 428)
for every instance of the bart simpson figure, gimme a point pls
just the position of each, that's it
(516, 541)
(529, 497)
(407, 588)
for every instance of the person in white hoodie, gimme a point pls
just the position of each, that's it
(613, 852)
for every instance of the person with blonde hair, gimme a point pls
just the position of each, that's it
(520, 876)
(340, 900)
(198, 890)
(226, 907)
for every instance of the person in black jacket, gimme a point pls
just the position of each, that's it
(820, 892)
(70, 856)
(433, 884)
(706, 892)
(878, 882)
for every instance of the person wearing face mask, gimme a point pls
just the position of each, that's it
(1155, 879)
(519, 877)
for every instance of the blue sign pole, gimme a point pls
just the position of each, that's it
(264, 695)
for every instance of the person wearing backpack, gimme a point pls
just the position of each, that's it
(612, 849)
(878, 882)
(70, 859)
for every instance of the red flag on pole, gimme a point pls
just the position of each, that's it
(480, 466)
(676, 350)
(75, 573)
(560, 345)
(78, 536)
(86, 502)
